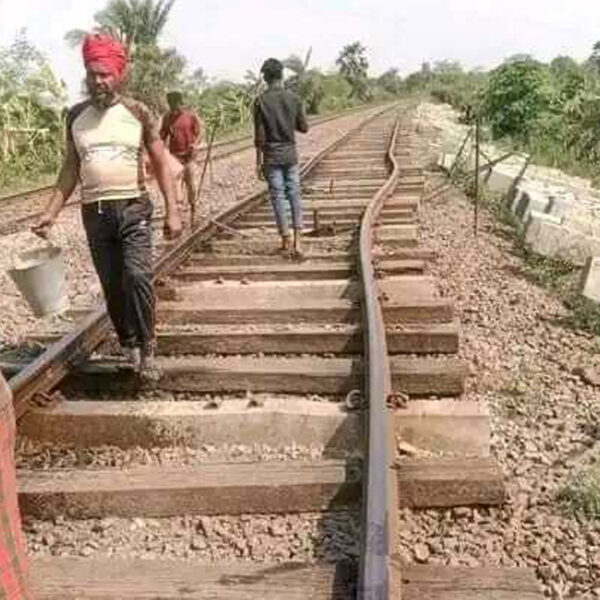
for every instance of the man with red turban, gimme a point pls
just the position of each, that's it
(106, 139)
(104, 50)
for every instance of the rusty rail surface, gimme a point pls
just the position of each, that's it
(378, 579)
(51, 367)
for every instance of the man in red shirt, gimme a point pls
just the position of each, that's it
(183, 130)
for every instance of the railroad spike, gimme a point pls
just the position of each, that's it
(214, 403)
(355, 400)
(397, 400)
(47, 400)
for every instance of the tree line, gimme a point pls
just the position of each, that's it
(31, 96)
(550, 110)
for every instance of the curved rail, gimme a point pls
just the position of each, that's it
(45, 372)
(377, 577)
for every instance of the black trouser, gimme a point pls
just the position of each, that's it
(119, 234)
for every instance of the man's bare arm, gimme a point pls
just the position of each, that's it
(65, 186)
(259, 140)
(301, 121)
(164, 129)
(260, 165)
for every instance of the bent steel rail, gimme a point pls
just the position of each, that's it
(378, 579)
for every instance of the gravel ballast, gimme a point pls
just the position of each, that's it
(45, 456)
(306, 538)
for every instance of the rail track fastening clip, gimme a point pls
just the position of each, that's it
(46, 399)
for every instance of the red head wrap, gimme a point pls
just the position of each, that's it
(106, 50)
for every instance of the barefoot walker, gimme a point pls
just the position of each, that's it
(106, 137)
(278, 114)
(182, 130)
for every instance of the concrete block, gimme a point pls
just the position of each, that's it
(548, 237)
(512, 202)
(446, 427)
(536, 216)
(591, 195)
(581, 222)
(446, 160)
(590, 279)
(562, 204)
(528, 200)
(501, 179)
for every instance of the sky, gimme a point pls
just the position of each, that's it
(228, 37)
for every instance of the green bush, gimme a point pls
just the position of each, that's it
(31, 109)
(581, 497)
(517, 95)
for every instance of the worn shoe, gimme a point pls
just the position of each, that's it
(132, 358)
(149, 370)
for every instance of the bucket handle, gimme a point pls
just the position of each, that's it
(14, 255)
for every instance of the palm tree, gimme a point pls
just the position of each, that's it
(307, 83)
(594, 59)
(134, 22)
(298, 66)
(354, 66)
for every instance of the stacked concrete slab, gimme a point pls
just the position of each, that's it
(560, 214)
(590, 280)
(553, 237)
(528, 199)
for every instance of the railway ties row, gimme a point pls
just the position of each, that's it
(257, 349)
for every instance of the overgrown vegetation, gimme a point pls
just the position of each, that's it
(447, 82)
(581, 497)
(549, 110)
(354, 66)
(585, 314)
(31, 102)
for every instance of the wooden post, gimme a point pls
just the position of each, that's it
(207, 160)
(459, 154)
(477, 139)
(510, 195)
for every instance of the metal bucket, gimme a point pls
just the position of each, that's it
(40, 276)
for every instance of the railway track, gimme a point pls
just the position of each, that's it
(18, 211)
(348, 357)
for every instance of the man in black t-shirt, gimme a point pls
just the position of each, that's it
(278, 114)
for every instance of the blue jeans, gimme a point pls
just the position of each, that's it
(284, 187)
